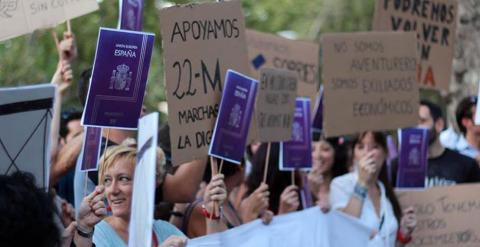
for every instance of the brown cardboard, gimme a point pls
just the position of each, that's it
(275, 104)
(435, 23)
(18, 17)
(369, 82)
(301, 57)
(201, 42)
(446, 216)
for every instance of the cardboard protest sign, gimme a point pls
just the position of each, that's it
(317, 122)
(143, 199)
(234, 118)
(18, 17)
(200, 43)
(300, 57)
(275, 105)
(25, 116)
(413, 158)
(446, 216)
(296, 154)
(91, 148)
(435, 23)
(131, 15)
(119, 79)
(369, 82)
(309, 227)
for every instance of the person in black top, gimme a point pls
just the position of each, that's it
(445, 167)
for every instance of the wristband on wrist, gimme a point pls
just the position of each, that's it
(208, 215)
(360, 191)
(84, 233)
(402, 238)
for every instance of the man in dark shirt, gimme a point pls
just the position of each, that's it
(445, 167)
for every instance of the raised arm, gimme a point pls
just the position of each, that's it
(366, 177)
(182, 186)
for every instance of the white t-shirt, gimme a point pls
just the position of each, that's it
(341, 191)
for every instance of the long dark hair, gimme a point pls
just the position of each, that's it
(340, 159)
(277, 180)
(380, 139)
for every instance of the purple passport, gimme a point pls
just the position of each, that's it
(91, 148)
(131, 15)
(412, 161)
(234, 117)
(317, 124)
(297, 153)
(119, 78)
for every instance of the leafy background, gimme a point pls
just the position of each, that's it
(32, 58)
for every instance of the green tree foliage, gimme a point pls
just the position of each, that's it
(32, 58)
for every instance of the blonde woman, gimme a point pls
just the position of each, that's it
(116, 173)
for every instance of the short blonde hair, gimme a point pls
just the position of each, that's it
(127, 150)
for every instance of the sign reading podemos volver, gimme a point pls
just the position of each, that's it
(435, 23)
(119, 78)
(234, 118)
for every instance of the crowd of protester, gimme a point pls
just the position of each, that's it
(349, 174)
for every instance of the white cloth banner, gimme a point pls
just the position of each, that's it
(309, 227)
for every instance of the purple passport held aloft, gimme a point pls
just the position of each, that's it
(317, 124)
(119, 78)
(234, 117)
(413, 159)
(91, 148)
(131, 15)
(296, 154)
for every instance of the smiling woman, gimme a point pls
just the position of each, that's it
(116, 173)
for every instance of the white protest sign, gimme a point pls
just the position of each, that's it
(25, 117)
(143, 202)
(18, 17)
(309, 227)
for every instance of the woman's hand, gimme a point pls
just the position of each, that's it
(215, 193)
(324, 202)
(315, 180)
(68, 213)
(255, 204)
(409, 221)
(267, 217)
(92, 209)
(289, 200)
(174, 241)
(367, 169)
